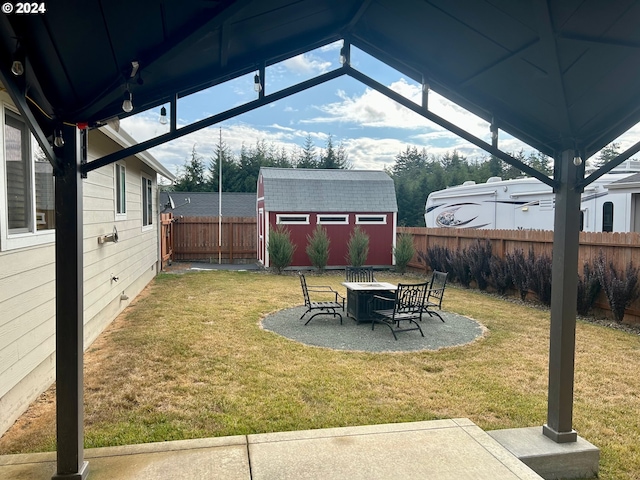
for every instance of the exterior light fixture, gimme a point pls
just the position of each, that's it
(58, 141)
(17, 68)
(127, 101)
(494, 133)
(577, 160)
(344, 54)
(163, 116)
(257, 84)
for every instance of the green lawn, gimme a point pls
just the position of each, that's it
(188, 359)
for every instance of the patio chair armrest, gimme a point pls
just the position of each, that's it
(326, 289)
(378, 297)
(320, 288)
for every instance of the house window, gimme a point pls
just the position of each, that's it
(371, 219)
(292, 219)
(121, 191)
(333, 219)
(147, 202)
(29, 201)
(607, 217)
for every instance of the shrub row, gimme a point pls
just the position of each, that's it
(281, 248)
(530, 272)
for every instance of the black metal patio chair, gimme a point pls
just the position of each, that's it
(435, 293)
(322, 307)
(408, 305)
(359, 274)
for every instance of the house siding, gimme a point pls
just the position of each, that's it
(27, 281)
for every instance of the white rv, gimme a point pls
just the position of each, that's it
(528, 204)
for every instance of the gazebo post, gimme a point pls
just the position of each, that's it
(563, 299)
(69, 309)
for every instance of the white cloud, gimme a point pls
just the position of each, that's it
(373, 109)
(306, 64)
(331, 47)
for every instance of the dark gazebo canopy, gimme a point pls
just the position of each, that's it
(558, 75)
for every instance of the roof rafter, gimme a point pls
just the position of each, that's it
(549, 45)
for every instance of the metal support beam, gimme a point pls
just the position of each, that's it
(610, 165)
(18, 95)
(207, 122)
(447, 125)
(69, 309)
(563, 300)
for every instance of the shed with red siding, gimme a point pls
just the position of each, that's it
(339, 200)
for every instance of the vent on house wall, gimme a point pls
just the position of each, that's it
(546, 204)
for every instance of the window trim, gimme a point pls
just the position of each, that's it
(360, 216)
(280, 221)
(119, 215)
(17, 240)
(147, 181)
(344, 221)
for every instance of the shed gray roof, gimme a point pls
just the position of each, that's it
(332, 190)
(205, 204)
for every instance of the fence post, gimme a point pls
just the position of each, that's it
(230, 238)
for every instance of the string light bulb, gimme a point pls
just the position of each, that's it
(163, 116)
(58, 141)
(17, 68)
(577, 160)
(257, 84)
(127, 102)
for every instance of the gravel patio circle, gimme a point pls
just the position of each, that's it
(326, 331)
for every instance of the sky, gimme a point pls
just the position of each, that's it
(372, 128)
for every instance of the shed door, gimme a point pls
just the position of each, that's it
(261, 235)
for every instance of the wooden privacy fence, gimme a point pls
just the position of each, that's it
(196, 238)
(166, 237)
(618, 248)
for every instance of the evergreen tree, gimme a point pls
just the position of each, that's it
(230, 169)
(608, 153)
(307, 158)
(192, 179)
(540, 162)
(250, 168)
(331, 158)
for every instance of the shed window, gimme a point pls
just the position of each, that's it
(607, 217)
(292, 219)
(380, 219)
(333, 219)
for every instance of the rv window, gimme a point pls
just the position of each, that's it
(607, 217)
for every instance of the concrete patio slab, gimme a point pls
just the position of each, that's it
(549, 459)
(223, 458)
(437, 450)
